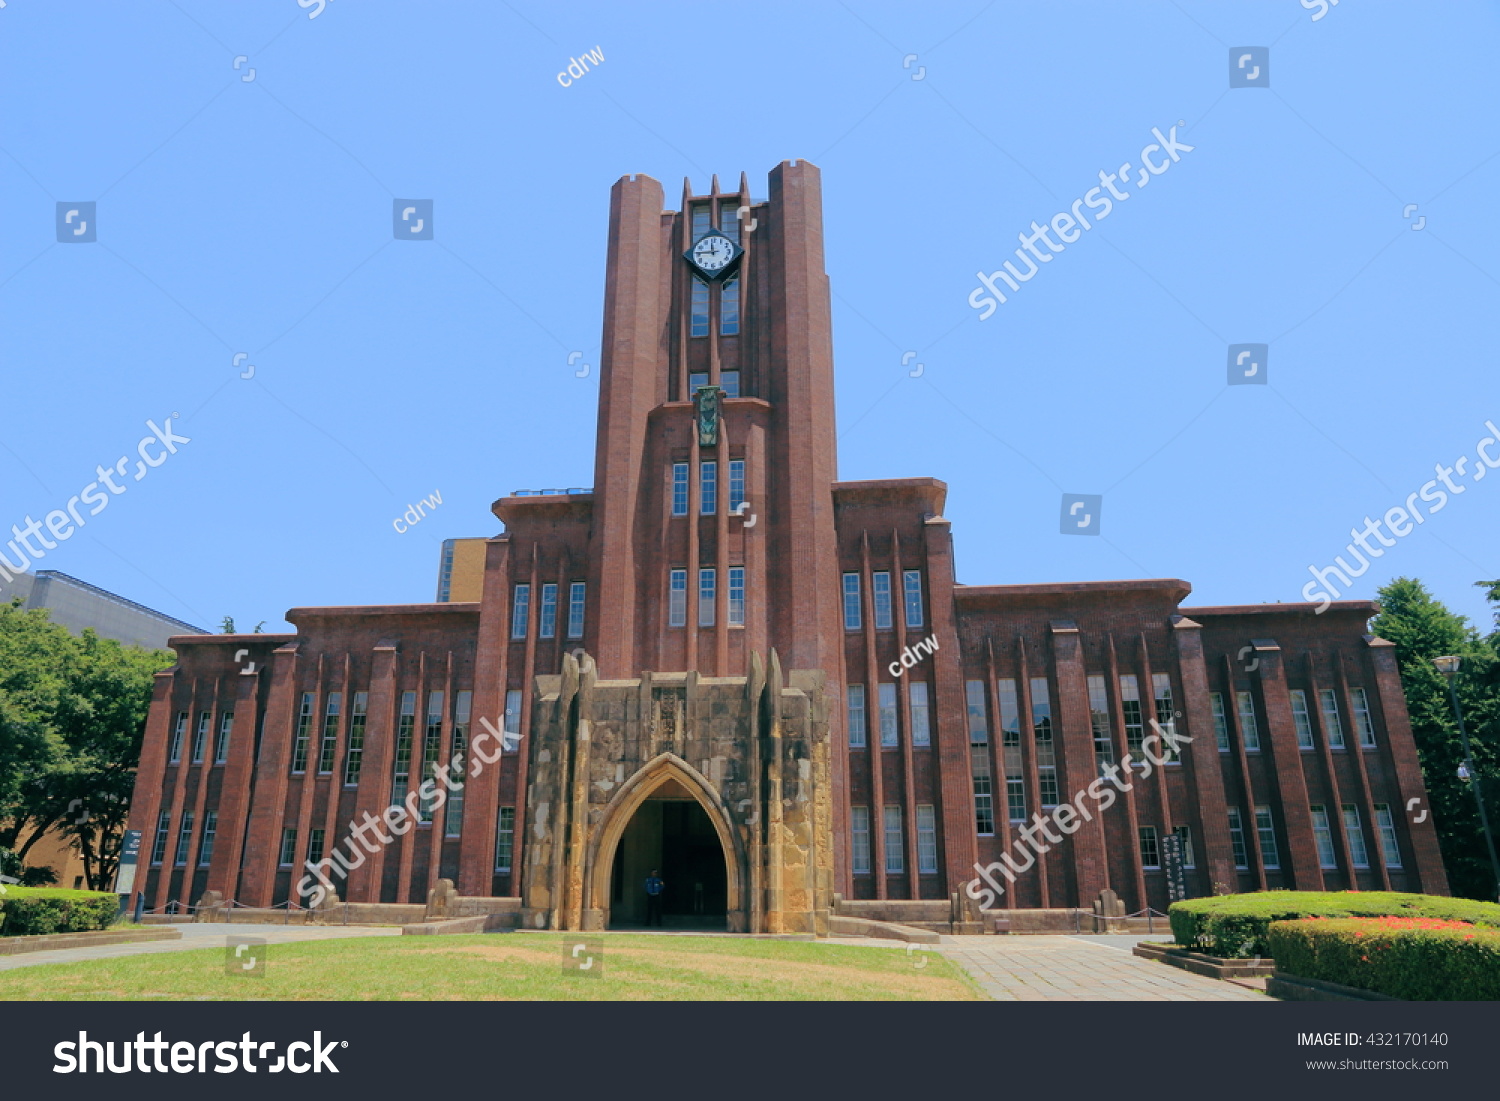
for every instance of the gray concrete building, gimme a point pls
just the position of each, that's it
(76, 604)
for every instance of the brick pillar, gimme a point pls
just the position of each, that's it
(1286, 757)
(476, 848)
(145, 801)
(225, 872)
(1201, 757)
(268, 804)
(1074, 736)
(375, 771)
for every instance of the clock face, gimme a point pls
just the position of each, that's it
(713, 252)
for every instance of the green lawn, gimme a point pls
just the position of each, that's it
(514, 966)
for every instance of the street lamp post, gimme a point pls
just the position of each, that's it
(1448, 667)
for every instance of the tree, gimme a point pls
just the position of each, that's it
(227, 626)
(1422, 628)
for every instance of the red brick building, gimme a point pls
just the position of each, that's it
(717, 530)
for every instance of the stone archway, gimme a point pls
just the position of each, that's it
(663, 772)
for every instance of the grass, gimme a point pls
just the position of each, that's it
(14, 891)
(513, 966)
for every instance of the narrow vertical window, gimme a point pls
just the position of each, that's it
(1249, 730)
(736, 596)
(354, 758)
(520, 611)
(1010, 738)
(206, 842)
(1390, 847)
(729, 309)
(979, 727)
(696, 381)
(512, 714)
(729, 382)
(679, 489)
(729, 220)
(677, 598)
(304, 733)
(708, 488)
(1046, 754)
(163, 833)
(432, 749)
(458, 753)
(911, 587)
(857, 720)
(1185, 846)
(1150, 850)
(921, 720)
(179, 729)
(895, 851)
(288, 845)
(1364, 726)
(1301, 719)
(221, 740)
(1331, 726)
(699, 308)
(547, 628)
(329, 749)
(1355, 836)
(703, 220)
(184, 838)
(200, 735)
(708, 588)
(736, 484)
(859, 837)
(406, 724)
(1130, 704)
(315, 845)
(1237, 839)
(926, 839)
(853, 616)
(887, 702)
(505, 839)
(1104, 749)
(984, 794)
(1323, 835)
(1221, 721)
(577, 591)
(881, 588)
(1166, 718)
(1265, 830)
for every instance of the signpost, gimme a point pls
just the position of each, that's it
(130, 854)
(1171, 862)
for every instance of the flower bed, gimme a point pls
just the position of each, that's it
(1416, 959)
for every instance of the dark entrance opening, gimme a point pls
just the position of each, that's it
(672, 833)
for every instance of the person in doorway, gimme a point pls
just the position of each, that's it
(654, 886)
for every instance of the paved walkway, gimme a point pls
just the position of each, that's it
(196, 936)
(1090, 969)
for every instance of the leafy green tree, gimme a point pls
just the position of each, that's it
(1422, 628)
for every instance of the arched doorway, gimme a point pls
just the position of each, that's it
(671, 833)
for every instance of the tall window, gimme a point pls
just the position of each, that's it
(1010, 738)
(696, 381)
(911, 587)
(679, 489)
(1323, 835)
(1237, 839)
(736, 484)
(179, 729)
(432, 748)
(1265, 830)
(703, 220)
(1390, 847)
(288, 845)
(405, 726)
(520, 611)
(1221, 721)
(921, 721)
(1046, 755)
(1301, 719)
(1185, 845)
(1329, 700)
(736, 596)
(304, 733)
(729, 220)
(354, 758)
(1150, 849)
(1358, 854)
(1104, 750)
(979, 733)
(700, 308)
(1363, 725)
(857, 721)
(163, 833)
(329, 748)
(729, 308)
(1130, 704)
(895, 852)
(926, 839)
(505, 838)
(206, 842)
(859, 837)
(548, 625)
(221, 740)
(1166, 720)
(881, 587)
(887, 700)
(200, 735)
(315, 845)
(184, 837)
(984, 797)
(708, 587)
(1245, 701)
(458, 751)
(577, 591)
(512, 713)
(853, 618)
(677, 598)
(729, 382)
(708, 488)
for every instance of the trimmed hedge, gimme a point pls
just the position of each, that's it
(32, 911)
(1235, 926)
(1414, 959)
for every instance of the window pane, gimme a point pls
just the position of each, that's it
(881, 587)
(729, 381)
(505, 838)
(549, 612)
(184, 837)
(1324, 838)
(354, 758)
(520, 611)
(708, 488)
(984, 799)
(926, 840)
(921, 729)
(512, 713)
(221, 741)
(288, 845)
(729, 315)
(1330, 705)
(206, 843)
(895, 854)
(1046, 757)
(1355, 836)
(707, 593)
(887, 714)
(1248, 728)
(1104, 750)
(178, 730)
(857, 721)
(1390, 848)
(699, 308)
(852, 616)
(329, 749)
(458, 749)
(1130, 704)
(736, 484)
(859, 836)
(1265, 830)
(1237, 839)
(1221, 721)
(911, 582)
(304, 733)
(1150, 851)
(974, 705)
(577, 591)
(677, 598)
(1166, 717)
(679, 489)
(200, 736)
(1301, 719)
(163, 828)
(736, 596)
(1364, 726)
(695, 380)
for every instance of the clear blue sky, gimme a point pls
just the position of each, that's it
(255, 216)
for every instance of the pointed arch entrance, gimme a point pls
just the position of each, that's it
(668, 818)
